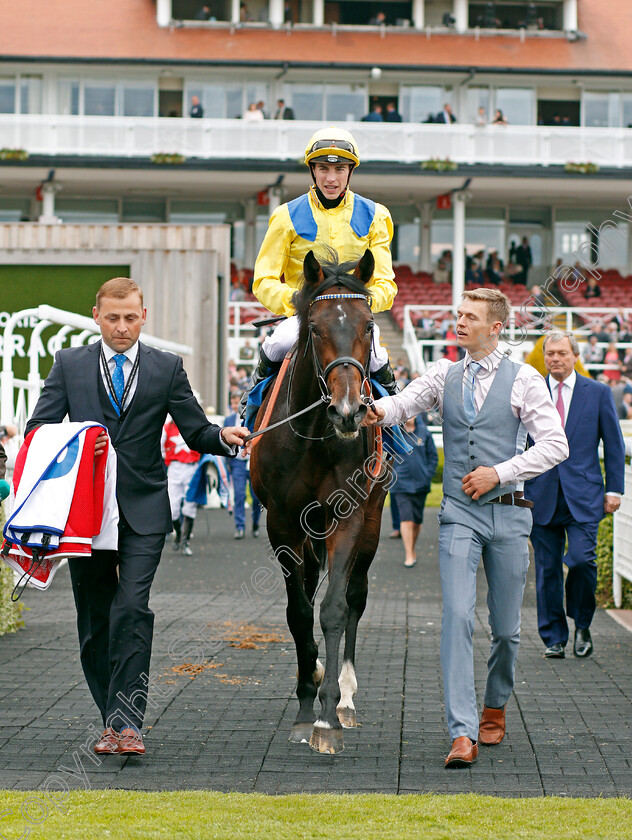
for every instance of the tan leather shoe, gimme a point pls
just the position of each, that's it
(108, 744)
(131, 742)
(491, 729)
(463, 753)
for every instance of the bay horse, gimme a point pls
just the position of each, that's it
(323, 488)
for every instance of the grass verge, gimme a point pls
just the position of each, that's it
(125, 815)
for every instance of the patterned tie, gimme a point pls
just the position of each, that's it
(560, 402)
(468, 391)
(118, 380)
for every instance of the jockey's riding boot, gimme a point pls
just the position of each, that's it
(264, 369)
(177, 527)
(187, 525)
(385, 377)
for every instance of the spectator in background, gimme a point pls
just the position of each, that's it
(593, 353)
(203, 13)
(197, 112)
(494, 268)
(441, 274)
(244, 14)
(181, 462)
(374, 115)
(392, 114)
(499, 118)
(625, 409)
(253, 114)
(262, 107)
(239, 469)
(288, 17)
(626, 364)
(247, 351)
(429, 119)
(612, 358)
(237, 291)
(283, 112)
(414, 476)
(378, 20)
(620, 320)
(481, 117)
(451, 351)
(524, 259)
(426, 329)
(592, 289)
(446, 116)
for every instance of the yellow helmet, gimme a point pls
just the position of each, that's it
(332, 145)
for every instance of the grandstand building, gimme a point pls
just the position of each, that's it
(95, 104)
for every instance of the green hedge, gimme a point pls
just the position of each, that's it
(604, 569)
(10, 613)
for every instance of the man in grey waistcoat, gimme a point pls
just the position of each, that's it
(489, 405)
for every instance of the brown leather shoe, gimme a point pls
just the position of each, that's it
(463, 753)
(131, 742)
(491, 729)
(108, 744)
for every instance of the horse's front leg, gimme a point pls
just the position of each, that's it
(357, 590)
(300, 618)
(327, 735)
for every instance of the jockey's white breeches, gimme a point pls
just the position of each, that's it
(277, 345)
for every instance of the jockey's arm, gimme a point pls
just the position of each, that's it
(271, 265)
(382, 286)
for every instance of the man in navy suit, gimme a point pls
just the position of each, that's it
(569, 500)
(129, 388)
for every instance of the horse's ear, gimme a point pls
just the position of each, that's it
(364, 269)
(312, 271)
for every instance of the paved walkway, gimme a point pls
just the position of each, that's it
(225, 726)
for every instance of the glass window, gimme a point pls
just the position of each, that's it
(568, 237)
(601, 110)
(87, 210)
(627, 110)
(98, 100)
(345, 102)
(258, 93)
(219, 100)
(477, 97)
(138, 101)
(143, 210)
(68, 97)
(7, 95)
(30, 94)
(420, 103)
(517, 105)
(305, 100)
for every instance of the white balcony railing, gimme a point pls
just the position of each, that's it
(285, 140)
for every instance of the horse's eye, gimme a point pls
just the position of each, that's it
(313, 330)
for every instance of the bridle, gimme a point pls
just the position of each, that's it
(321, 376)
(323, 373)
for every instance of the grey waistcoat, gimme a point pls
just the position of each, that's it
(494, 436)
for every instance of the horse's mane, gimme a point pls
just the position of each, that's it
(336, 274)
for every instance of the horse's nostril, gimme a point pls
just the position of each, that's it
(334, 415)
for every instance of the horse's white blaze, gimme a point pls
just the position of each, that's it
(348, 686)
(322, 724)
(341, 314)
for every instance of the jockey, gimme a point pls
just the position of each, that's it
(328, 215)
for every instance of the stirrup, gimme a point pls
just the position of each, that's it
(386, 378)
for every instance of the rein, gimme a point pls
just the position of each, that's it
(321, 376)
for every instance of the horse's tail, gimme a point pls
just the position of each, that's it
(319, 549)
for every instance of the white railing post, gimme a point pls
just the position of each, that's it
(7, 407)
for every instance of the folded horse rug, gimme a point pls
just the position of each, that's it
(63, 500)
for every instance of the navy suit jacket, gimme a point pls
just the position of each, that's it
(72, 388)
(592, 417)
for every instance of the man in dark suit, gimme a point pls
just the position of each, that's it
(446, 116)
(130, 388)
(569, 500)
(283, 112)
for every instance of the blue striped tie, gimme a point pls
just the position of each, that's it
(118, 381)
(468, 391)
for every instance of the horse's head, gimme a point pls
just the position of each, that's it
(337, 315)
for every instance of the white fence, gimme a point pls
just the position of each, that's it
(622, 548)
(52, 134)
(19, 396)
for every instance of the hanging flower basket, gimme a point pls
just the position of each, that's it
(439, 165)
(13, 154)
(587, 168)
(168, 158)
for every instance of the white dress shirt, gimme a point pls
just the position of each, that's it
(128, 365)
(530, 403)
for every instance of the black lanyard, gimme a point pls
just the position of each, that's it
(110, 383)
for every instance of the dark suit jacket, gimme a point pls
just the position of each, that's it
(441, 118)
(72, 388)
(591, 417)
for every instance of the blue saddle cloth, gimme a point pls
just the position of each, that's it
(394, 440)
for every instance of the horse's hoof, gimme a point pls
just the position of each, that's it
(301, 733)
(347, 717)
(326, 741)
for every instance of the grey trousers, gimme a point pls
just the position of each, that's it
(499, 534)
